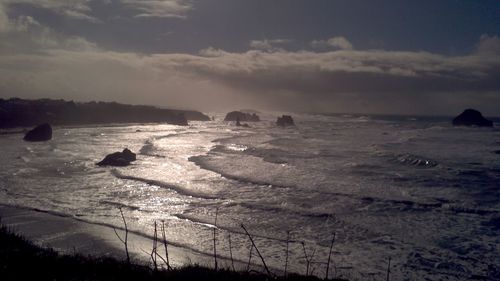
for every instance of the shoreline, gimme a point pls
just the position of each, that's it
(39, 245)
(68, 235)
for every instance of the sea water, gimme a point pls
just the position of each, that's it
(417, 191)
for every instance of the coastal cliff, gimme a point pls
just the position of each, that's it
(17, 112)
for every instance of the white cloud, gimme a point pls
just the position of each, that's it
(24, 23)
(4, 18)
(77, 9)
(81, 9)
(268, 44)
(76, 43)
(212, 52)
(488, 45)
(24, 34)
(159, 8)
(334, 42)
(340, 71)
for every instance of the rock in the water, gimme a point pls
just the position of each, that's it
(119, 159)
(285, 120)
(39, 133)
(238, 124)
(241, 116)
(471, 117)
(129, 155)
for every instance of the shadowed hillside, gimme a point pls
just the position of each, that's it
(23, 113)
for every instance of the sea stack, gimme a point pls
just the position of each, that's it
(119, 159)
(41, 132)
(285, 120)
(241, 116)
(238, 124)
(471, 117)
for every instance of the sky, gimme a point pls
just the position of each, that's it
(427, 57)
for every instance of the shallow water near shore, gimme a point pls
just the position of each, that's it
(417, 191)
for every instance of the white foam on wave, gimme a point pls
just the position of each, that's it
(176, 188)
(236, 147)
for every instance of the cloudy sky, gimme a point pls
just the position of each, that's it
(377, 56)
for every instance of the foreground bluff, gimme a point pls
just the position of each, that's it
(39, 133)
(471, 117)
(23, 113)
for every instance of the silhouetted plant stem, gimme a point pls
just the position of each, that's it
(215, 239)
(231, 251)
(257, 249)
(388, 269)
(329, 257)
(165, 244)
(286, 257)
(308, 259)
(154, 252)
(125, 240)
(249, 256)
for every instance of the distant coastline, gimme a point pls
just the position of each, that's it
(399, 117)
(16, 112)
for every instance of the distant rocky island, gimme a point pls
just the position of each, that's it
(17, 112)
(471, 117)
(284, 121)
(118, 159)
(41, 132)
(241, 116)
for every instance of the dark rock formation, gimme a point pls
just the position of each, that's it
(179, 120)
(39, 133)
(471, 117)
(238, 124)
(129, 155)
(26, 113)
(285, 120)
(241, 116)
(119, 159)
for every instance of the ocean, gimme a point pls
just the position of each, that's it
(412, 190)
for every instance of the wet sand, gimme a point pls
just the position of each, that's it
(69, 235)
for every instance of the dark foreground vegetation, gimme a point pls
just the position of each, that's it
(17, 112)
(20, 259)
